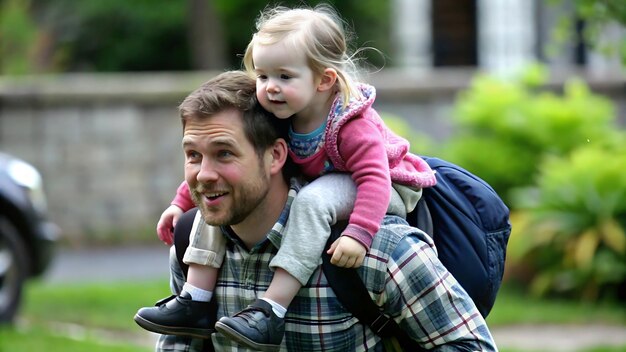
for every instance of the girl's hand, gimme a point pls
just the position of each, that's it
(166, 224)
(347, 252)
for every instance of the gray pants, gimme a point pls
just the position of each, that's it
(317, 206)
(207, 244)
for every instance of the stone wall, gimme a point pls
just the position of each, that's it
(108, 146)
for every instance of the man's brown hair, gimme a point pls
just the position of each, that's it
(234, 90)
(237, 90)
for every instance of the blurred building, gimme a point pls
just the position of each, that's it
(497, 35)
(440, 45)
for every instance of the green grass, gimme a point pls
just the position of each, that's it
(110, 306)
(105, 310)
(82, 317)
(512, 307)
(40, 339)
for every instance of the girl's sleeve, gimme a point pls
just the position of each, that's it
(362, 148)
(182, 199)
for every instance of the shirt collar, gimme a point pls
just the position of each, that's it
(275, 234)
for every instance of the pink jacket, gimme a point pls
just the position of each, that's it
(357, 141)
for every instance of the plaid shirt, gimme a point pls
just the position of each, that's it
(401, 272)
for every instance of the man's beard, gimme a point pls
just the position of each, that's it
(245, 199)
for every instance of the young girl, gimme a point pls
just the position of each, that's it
(304, 73)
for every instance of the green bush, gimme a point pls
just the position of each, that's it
(557, 158)
(506, 126)
(572, 233)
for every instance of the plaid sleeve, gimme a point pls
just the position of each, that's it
(428, 302)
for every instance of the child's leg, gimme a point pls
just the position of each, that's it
(202, 276)
(282, 290)
(407, 195)
(188, 313)
(204, 256)
(318, 206)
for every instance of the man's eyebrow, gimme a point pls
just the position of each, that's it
(223, 142)
(219, 141)
(187, 142)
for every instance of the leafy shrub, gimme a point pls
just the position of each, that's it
(557, 158)
(507, 126)
(571, 230)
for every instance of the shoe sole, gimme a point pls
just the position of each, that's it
(234, 335)
(169, 330)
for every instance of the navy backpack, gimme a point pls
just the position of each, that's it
(470, 226)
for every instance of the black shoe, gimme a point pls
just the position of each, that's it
(255, 327)
(177, 315)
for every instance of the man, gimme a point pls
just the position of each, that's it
(234, 169)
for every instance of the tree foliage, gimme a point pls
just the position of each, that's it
(152, 35)
(17, 34)
(598, 16)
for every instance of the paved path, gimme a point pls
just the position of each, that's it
(125, 264)
(559, 338)
(109, 264)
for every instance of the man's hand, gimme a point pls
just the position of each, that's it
(166, 224)
(347, 252)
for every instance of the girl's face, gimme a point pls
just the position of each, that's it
(285, 85)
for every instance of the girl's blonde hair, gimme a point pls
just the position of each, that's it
(317, 32)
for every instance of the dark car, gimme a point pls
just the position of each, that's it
(26, 236)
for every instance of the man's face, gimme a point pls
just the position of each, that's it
(226, 177)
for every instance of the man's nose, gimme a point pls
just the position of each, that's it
(207, 172)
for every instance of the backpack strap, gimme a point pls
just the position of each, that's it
(182, 231)
(354, 296)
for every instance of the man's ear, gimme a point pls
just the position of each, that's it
(327, 80)
(278, 154)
